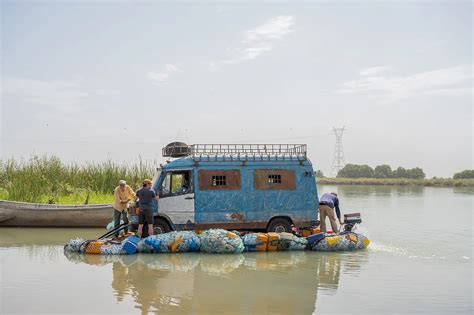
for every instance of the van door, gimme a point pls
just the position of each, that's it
(177, 198)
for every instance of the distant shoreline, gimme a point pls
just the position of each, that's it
(433, 182)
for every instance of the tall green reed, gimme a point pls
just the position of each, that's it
(38, 177)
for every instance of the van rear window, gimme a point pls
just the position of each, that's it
(219, 180)
(274, 180)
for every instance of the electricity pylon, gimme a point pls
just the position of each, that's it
(338, 160)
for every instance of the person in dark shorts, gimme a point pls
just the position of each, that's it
(145, 197)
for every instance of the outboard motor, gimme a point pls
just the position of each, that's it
(350, 220)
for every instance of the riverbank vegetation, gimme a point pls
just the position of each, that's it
(432, 182)
(48, 180)
(354, 174)
(381, 171)
(466, 174)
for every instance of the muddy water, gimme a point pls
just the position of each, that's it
(420, 261)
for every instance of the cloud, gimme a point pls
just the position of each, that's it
(452, 81)
(374, 70)
(58, 95)
(172, 68)
(163, 76)
(276, 28)
(64, 101)
(213, 66)
(158, 76)
(258, 41)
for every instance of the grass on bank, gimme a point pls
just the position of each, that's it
(76, 198)
(433, 182)
(48, 180)
(82, 198)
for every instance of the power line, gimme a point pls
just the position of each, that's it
(338, 161)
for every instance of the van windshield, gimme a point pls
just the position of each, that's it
(155, 178)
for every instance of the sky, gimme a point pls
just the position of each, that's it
(96, 80)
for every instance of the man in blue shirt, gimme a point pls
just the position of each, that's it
(327, 203)
(146, 195)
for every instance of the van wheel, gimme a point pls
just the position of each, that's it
(160, 226)
(279, 225)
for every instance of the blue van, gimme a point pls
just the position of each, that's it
(235, 186)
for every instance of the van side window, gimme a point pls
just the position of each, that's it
(177, 183)
(274, 180)
(219, 180)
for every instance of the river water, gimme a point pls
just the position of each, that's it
(419, 261)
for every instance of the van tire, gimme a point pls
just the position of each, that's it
(279, 225)
(160, 226)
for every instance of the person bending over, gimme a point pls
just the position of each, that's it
(327, 204)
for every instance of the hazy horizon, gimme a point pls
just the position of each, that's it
(94, 80)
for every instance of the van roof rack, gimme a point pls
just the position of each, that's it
(240, 152)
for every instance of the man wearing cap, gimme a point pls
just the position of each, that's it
(327, 204)
(122, 194)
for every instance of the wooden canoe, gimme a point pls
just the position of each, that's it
(43, 215)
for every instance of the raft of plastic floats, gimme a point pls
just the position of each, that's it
(219, 241)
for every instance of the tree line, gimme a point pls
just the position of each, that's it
(466, 174)
(385, 171)
(380, 171)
